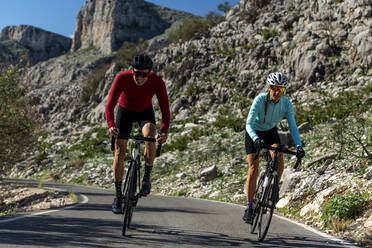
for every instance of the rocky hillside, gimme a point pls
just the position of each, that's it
(105, 24)
(325, 49)
(26, 43)
(321, 45)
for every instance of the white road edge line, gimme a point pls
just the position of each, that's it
(309, 228)
(85, 200)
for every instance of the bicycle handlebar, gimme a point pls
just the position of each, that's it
(141, 138)
(280, 148)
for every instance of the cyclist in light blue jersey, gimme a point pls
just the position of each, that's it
(267, 110)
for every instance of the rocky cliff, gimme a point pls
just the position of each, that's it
(31, 44)
(106, 24)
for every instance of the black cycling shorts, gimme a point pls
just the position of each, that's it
(125, 119)
(270, 137)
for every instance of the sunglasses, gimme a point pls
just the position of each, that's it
(277, 88)
(140, 74)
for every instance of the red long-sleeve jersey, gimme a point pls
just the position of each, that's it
(137, 98)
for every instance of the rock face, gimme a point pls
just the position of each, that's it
(56, 85)
(318, 44)
(106, 24)
(33, 43)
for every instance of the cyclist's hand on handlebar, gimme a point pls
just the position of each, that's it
(161, 138)
(300, 153)
(258, 144)
(113, 131)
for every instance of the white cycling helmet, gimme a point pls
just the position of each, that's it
(277, 79)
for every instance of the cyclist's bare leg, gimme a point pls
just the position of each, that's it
(149, 131)
(280, 162)
(250, 185)
(118, 165)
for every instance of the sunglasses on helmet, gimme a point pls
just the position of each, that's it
(140, 74)
(277, 88)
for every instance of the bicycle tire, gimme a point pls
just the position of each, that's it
(133, 190)
(267, 207)
(256, 200)
(128, 208)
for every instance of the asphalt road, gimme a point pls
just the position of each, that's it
(158, 221)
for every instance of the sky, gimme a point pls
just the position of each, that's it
(59, 16)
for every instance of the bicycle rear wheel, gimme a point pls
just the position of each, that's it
(267, 206)
(128, 198)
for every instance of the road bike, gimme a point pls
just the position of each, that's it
(267, 191)
(131, 189)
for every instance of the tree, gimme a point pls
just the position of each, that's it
(17, 124)
(224, 7)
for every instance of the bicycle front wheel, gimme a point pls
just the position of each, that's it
(267, 206)
(128, 198)
(256, 200)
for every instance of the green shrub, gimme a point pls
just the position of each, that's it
(194, 26)
(230, 121)
(193, 90)
(196, 132)
(42, 154)
(338, 108)
(180, 144)
(229, 53)
(267, 33)
(343, 207)
(125, 54)
(91, 84)
(92, 146)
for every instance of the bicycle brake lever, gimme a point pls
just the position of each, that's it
(158, 150)
(297, 163)
(112, 143)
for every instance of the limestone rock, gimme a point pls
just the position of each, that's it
(106, 24)
(31, 44)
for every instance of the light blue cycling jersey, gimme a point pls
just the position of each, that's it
(275, 113)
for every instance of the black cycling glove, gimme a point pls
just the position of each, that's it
(300, 153)
(258, 144)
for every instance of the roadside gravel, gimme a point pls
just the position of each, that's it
(16, 198)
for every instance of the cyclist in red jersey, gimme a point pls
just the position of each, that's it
(135, 89)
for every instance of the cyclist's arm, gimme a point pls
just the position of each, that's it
(112, 101)
(292, 124)
(253, 113)
(161, 94)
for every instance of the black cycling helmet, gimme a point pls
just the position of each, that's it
(142, 61)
